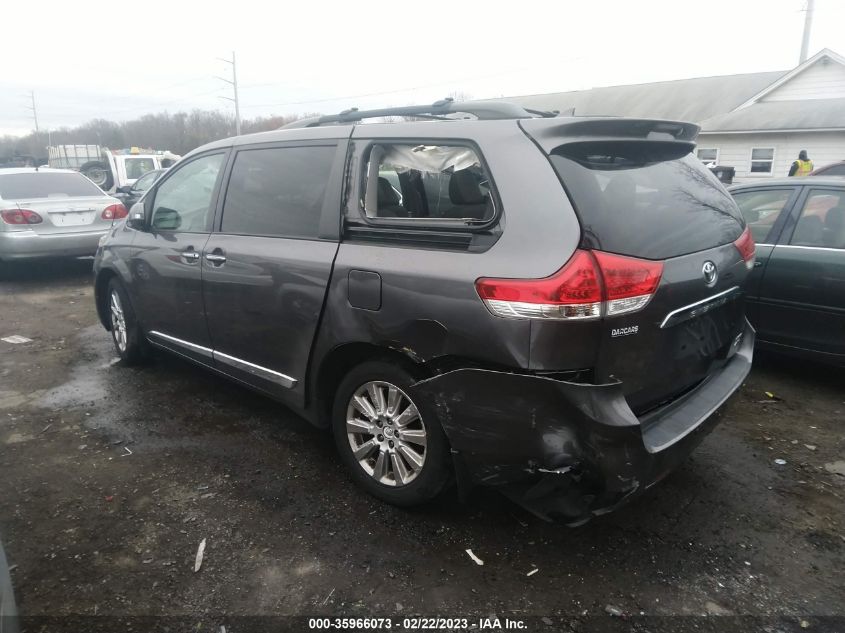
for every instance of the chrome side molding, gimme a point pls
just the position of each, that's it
(256, 370)
(700, 307)
(238, 363)
(199, 349)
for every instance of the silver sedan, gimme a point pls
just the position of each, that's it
(52, 213)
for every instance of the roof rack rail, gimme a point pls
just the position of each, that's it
(484, 110)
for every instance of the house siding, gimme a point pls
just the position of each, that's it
(819, 81)
(735, 150)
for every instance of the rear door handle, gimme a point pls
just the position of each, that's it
(216, 257)
(190, 255)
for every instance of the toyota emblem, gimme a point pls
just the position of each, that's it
(710, 273)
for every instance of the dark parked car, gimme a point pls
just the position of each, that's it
(130, 194)
(833, 169)
(550, 305)
(797, 291)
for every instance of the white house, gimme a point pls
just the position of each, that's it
(756, 123)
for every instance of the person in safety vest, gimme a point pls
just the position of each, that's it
(803, 166)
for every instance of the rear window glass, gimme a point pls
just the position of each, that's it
(278, 191)
(427, 184)
(761, 209)
(836, 170)
(646, 199)
(137, 167)
(46, 185)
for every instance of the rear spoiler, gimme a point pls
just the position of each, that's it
(552, 133)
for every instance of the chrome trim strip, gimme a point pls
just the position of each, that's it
(726, 295)
(812, 248)
(255, 370)
(205, 351)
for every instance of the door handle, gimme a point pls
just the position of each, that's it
(190, 255)
(215, 258)
(757, 263)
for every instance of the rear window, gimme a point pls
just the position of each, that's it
(137, 167)
(46, 185)
(835, 170)
(646, 199)
(761, 209)
(427, 185)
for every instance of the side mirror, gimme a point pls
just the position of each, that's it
(137, 218)
(167, 219)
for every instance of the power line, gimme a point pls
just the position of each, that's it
(161, 104)
(386, 92)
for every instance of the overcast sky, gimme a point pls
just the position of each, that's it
(120, 60)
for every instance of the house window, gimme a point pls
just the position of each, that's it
(708, 156)
(762, 159)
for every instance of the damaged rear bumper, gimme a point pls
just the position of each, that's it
(568, 451)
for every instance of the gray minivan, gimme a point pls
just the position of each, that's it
(481, 294)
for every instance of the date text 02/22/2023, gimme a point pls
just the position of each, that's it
(416, 624)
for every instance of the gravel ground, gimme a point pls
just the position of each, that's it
(110, 477)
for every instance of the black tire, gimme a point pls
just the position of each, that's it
(8, 611)
(99, 173)
(128, 341)
(431, 477)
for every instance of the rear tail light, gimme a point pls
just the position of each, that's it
(114, 212)
(20, 216)
(746, 247)
(629, 283)
(590, 284)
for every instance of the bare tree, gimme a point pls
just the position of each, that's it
(179, 132)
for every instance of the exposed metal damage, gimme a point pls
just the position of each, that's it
(564, 450)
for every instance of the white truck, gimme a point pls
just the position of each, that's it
(109, 169)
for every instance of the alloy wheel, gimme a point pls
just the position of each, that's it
(386, 433)
(118, 322)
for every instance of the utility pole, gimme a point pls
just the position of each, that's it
(34, 111)
(808, 25)
(234, 84)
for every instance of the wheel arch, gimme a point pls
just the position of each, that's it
(342, 358)
(101, 294)
(101, 287)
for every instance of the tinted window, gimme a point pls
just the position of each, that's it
(434, 182)
(835, 170)
(761, 209)
(649, 200)
(278, 191)
(46, 185)
(822, 220)
(183, 201)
